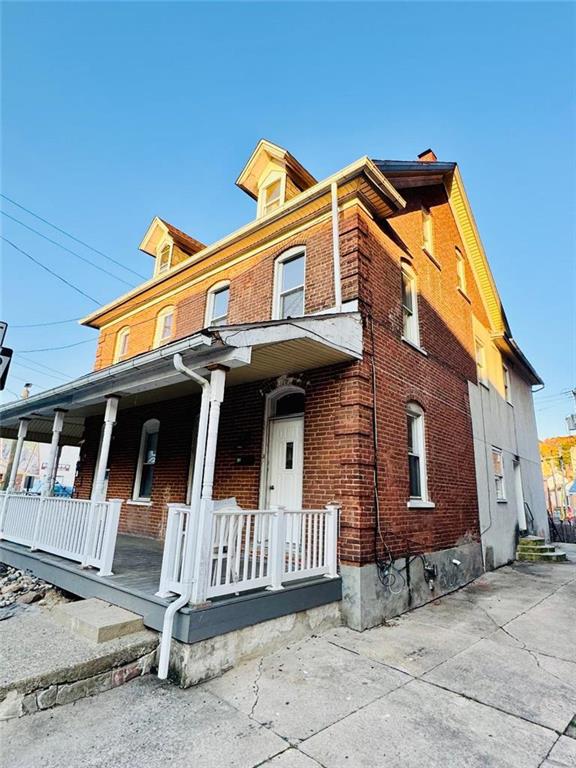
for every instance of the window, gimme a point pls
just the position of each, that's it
(481, 363)
(164, 258)
(461, 271)
(217, 305)
(506, 380)
(498, 467)
(164, 326)
(427, 231)
(410, 330)
(271, 197)
(146, 461)
(416, 455)
(122, 339)
(289, 284)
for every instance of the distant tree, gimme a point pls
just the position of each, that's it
(555, 450)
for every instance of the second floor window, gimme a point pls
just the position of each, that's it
(217, 305)
(507, 387)
(164, 326)
(498, 465)
(289, 284)
(410, 329)
(122, 339)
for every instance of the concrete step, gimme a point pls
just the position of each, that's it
(97, 620)
(543, 557)
(531, 541)
(537, 548)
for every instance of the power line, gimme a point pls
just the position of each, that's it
(76, 239)
(54, 322)
(78, 256)
(41, 373)
(41, 365)
(50, 349)
(50, 271)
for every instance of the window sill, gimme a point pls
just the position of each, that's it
(420, 504)
(139, 503)
(415, 346)
(464, 295)
(432, 258)
(501, 501)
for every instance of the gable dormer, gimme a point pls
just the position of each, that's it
(168, 245)
(272, 176)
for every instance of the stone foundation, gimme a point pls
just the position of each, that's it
(366, 602)
(193, 664)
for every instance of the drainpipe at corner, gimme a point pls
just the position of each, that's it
(186, 595)
(336, 248)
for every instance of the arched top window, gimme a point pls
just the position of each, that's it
(121, 346)
(164, 326)
(289, 403)
(410, 327)
(271, 194)
(289, 283)
(217, 301)
(146, 460)
(417, 476)
(163, 257)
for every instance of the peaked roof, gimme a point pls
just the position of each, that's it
(264, 152)
(158, 228)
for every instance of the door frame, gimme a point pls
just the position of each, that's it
(269, 415)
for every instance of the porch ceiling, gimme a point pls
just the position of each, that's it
(251, 352)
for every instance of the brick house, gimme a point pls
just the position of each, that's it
(325, 359)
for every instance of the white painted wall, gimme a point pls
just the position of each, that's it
(512, 428)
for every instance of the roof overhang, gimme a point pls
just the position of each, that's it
(159, 229)
(251, 352)
(510, 348)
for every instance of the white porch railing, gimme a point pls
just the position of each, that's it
(253, 549)
(76, 529)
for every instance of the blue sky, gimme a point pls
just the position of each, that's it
(116, 112)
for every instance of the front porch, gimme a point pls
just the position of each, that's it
(134, 583)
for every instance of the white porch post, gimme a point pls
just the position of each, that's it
(47, 485)
(22, 431)
(202, 563)
(102, 461)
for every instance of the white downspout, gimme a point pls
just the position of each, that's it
(184, 598)
(336, 248)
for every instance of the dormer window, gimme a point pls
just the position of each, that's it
(164, 258)
(271, 197)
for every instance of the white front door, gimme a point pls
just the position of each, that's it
(285, 463)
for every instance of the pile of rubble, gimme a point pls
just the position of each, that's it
(22, 588)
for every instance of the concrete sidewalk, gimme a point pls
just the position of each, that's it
(483, 678)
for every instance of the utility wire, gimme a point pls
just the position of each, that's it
(54, 274)
(50, 349)
(40, 372)
(78, 256)
(76, 239)
(53, 322)
(42, 365)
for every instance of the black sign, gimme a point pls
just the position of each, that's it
(5, 359)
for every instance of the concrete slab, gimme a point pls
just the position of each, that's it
(292, 758)
(549, 628)
(305, 687)
(563, 754)
(407, 644)
(144, 723)
(420, 725)
(36, 652)
(511, 679)
(97, 620)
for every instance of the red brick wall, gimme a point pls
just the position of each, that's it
(339, 456)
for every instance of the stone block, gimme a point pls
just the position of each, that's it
(97, 620)
(47, 697)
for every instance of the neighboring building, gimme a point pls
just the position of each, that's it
(33, 465)
(352, 320)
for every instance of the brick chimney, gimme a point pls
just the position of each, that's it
(427, 156)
